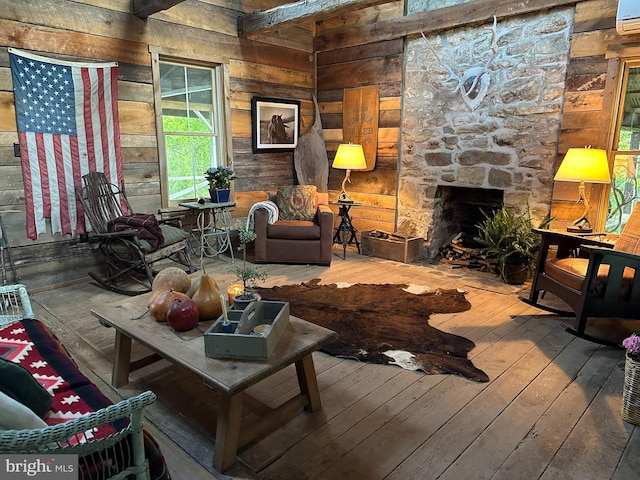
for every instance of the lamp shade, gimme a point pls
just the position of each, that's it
(349, 157)
(584, 165)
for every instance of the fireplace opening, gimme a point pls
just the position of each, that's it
(457, 211)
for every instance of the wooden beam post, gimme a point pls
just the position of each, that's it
(262, 21)
(480, 11)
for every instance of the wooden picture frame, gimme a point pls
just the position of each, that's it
(275, 124)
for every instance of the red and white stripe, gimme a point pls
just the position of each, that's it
(53, 164)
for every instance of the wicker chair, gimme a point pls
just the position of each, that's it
(95, 455)
(14, 304)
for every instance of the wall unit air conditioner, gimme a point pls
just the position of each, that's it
(628, 17)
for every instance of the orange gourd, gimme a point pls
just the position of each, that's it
(207, 298)
(160, 303)
(195, 285)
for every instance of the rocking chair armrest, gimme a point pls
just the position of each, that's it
(173, 221)
(554, 236)
(631, 259)
(121, 234)
(171, 216)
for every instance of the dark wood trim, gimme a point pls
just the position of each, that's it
(144, 8)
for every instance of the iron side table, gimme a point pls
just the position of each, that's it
(346, 232)
(213, 229)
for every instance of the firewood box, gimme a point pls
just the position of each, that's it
(392, 246)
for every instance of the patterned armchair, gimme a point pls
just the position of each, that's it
(303, 232)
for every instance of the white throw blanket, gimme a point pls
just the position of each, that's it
(269, 206)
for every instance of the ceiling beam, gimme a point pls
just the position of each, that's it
(476, 12)
(144, 8)
(262, 21)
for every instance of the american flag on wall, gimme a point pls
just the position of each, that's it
(67, 115)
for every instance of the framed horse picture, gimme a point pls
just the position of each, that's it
(275, 124)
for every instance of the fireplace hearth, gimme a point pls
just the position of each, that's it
(457, 211)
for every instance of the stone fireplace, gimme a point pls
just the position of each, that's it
(506, 146)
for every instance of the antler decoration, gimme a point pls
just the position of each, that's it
(474, 82)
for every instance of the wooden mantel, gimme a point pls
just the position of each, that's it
(144, 8)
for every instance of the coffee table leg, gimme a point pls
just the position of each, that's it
(227, 431)
(121, 360)
(309, 382)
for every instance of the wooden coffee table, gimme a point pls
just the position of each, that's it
(230, 377)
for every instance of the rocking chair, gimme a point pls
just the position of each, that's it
(592, 278)
(129, 252)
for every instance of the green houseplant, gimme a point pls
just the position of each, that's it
(510, 239)
(220, 179)
(246, 273)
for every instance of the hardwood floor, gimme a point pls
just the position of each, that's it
(551, 409)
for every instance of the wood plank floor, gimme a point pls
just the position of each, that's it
(551, 409)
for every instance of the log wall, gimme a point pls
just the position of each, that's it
(587, 108)
(279, 66)
(589, 105)
(380, 64)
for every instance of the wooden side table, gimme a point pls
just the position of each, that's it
(346, 232)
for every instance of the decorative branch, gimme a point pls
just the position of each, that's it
(471, 97)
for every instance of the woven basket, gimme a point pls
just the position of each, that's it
(631, 392)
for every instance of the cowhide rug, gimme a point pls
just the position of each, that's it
(384, 324)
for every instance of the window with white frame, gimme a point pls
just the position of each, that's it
(625, 150)
(192, 128)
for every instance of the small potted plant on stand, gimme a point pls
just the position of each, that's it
(246, 273)
(510, 239)
(219, 179)
(631, 387)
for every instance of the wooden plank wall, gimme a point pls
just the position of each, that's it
(588, 107)
(278, 64)
(379, 64)
(105, 30)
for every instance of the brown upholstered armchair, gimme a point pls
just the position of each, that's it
(305, 240)
(593, 279)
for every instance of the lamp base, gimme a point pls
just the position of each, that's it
(581, 225)
(579, 230)
(345, 197)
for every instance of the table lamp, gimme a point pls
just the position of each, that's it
(583, 165)
(350, 157)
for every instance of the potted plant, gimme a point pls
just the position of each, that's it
(511, 240)
(219, 179)
(246, 273)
